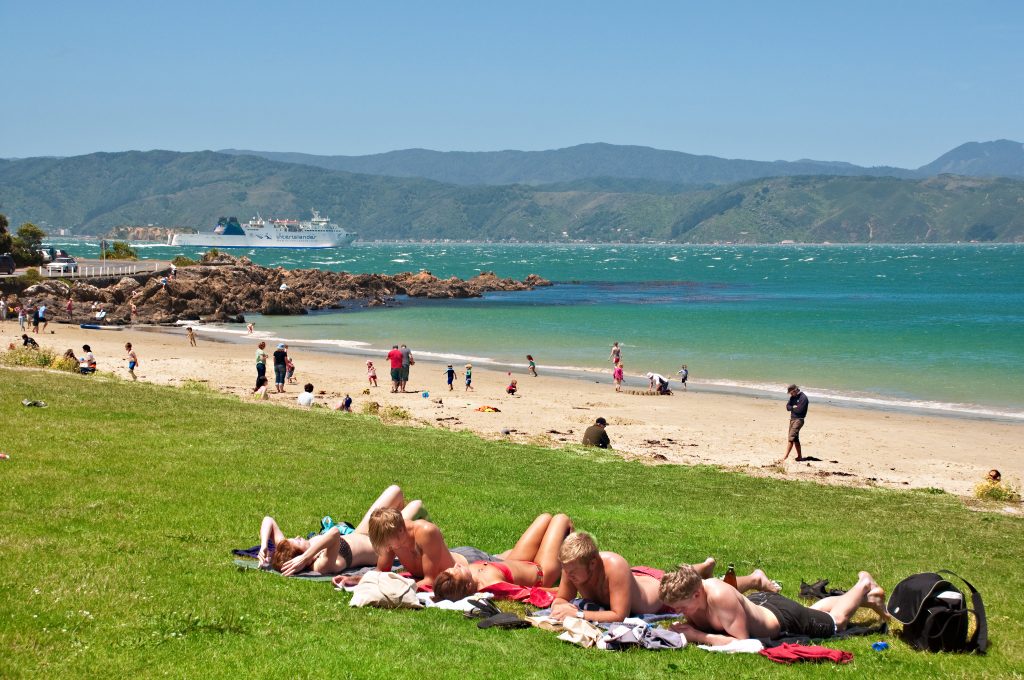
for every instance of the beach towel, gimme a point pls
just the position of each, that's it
(587, 605)
(305, 575)
(735, 647)
(536, 596)
(385, 589)
(634, 633)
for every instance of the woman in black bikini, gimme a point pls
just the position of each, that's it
(330, 552)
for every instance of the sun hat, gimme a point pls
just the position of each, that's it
(281, 346)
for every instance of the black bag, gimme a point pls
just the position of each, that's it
(934, 615)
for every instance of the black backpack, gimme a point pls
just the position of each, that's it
(934, 615)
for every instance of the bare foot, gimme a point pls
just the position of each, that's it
(875, 598)
(763, 583)
(706, 569)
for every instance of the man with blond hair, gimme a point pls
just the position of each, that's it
(717, 614)
(418, 545)
(607, 578)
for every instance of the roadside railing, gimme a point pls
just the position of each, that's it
(88, 271)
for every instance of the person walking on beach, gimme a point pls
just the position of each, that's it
(191, 336)
(21, 317)
(395, 357)
(250, 327)
(134, 313)
(261, 360)
(407, 361)
(617, 375)
(616, 354)
(133, 360)
(449, 374)
(371, 374)
(532, 366)
(290, 365)
(280, 366)
(70, 308)
(684, 374)
(595, 435)
(797, 407)
(469, 377)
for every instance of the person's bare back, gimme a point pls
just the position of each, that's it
(422, 551)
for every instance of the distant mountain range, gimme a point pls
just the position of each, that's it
(1001, 158)
(97, 192)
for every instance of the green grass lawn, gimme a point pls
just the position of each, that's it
(122, 502)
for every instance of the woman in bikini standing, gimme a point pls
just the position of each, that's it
(533, 562)
(329, 552)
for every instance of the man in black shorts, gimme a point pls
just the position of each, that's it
(717, 614)
(797, 407)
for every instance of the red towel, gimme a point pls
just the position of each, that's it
(538, 597)
(787, 653)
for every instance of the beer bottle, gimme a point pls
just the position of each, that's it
(730, 576)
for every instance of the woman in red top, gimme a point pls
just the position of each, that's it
(533, 562)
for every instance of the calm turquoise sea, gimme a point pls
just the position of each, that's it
(934, 327)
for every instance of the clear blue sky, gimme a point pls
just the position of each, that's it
(894, 82)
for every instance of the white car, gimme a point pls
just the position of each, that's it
(63, 265)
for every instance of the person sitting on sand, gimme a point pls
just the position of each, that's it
(533, 562)
(344, 405)
(29, 342)
(306, 398)
(658, 383)
(418, 545)
(87, 363)
(596, 435)
(329, 552)
(607, 579)
(512, 388)
(259, 392)
(717, 614)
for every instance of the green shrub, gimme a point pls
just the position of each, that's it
(31, 277)
(992, 490)
(394, 413)
(182, 261)
(371, 408)
(65, 363)
(23, 356)
(120, 250)
(194, 385)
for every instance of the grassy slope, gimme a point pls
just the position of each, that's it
(124, 501)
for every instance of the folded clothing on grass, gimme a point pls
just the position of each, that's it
(787, 653)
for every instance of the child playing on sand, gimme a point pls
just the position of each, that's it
(133, 360)
(191, 336)
(533, 365)
(449, 374)
(512, 387)
(344, 404)
(250, 327)
(371, 373)
(617, 377)
(290, 370)
(469, 377)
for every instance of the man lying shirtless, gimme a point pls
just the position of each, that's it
(717, 614)
(606, 578)
(418, 545)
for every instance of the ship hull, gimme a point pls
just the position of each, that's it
(298, 240)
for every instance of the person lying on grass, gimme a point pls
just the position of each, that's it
(418, 545)
(330, 552)
(607, 579)
(532, 562)
(716, 613)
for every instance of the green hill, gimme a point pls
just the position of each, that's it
(96, 192)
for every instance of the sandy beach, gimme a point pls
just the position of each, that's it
(854, 446)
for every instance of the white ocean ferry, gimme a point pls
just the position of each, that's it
(318, 232)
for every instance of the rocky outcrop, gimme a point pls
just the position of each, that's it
(223, 288)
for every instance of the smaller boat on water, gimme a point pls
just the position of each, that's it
(97, 327)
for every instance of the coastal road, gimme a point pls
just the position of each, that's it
(98, 268)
